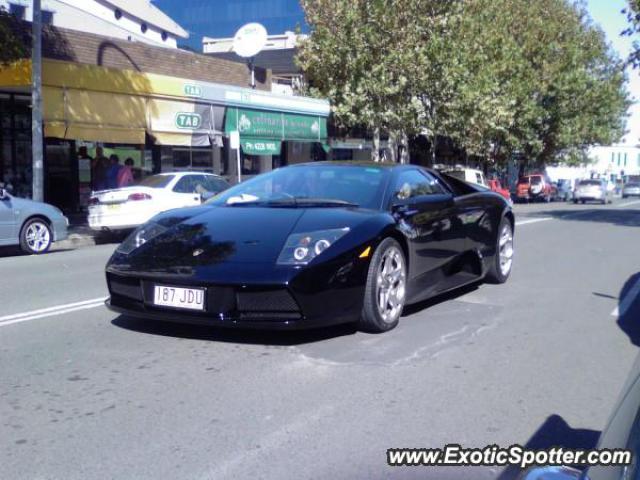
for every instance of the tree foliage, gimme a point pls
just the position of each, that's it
(496, 76)
(633, 16)
(12, 45)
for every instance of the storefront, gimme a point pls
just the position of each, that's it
(162, 123)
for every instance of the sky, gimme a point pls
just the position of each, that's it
(221, 18)
(607, 14)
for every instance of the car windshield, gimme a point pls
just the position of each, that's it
(590, 183)
(156, 181)
(323, 185)
(523, 181)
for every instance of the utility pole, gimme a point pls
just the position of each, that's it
(36, 103)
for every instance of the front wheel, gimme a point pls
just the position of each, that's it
(35, 237)
(500, 268)
(385, 292)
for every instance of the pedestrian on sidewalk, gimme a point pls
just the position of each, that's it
(125, 175)
(114, 170)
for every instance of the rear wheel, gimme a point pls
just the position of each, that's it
(500, 268)
(35, 237)
(385, 292)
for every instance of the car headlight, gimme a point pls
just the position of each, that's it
(140, 236)
(301, 248)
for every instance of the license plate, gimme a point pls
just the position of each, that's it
(189, 298)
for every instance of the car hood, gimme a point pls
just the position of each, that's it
(210, 235)
(28, 207)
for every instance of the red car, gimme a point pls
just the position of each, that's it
(536, 186)
(497, 187)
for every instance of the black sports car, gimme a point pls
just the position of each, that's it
(314, 244)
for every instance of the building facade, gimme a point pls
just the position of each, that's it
(167, 110)
(132, 20)
(615, 162)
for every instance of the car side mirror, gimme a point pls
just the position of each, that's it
(3, 194)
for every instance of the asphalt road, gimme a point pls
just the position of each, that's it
(86, 394)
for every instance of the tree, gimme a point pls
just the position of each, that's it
(633, 16)
(495, 76)
(360, 56)
(11, 38)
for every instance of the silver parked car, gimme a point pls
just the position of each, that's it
(631, 189)
(32, 225)
(592, 190)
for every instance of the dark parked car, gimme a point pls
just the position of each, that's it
(312, 245)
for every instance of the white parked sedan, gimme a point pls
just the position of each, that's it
(128, 207)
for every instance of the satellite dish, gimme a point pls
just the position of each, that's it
(249, 40)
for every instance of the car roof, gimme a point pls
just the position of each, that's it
(184, 173)
(353, 163)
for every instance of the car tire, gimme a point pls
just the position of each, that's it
(500, 267)
(36, 237)
(383, 285)
(624, 196)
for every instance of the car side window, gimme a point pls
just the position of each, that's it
(187, 184)
(214, 185)
(414, 183)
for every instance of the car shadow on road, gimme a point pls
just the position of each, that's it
(233, 335)
(17, 252)
(430, 302)
(616, 216)
(629, 309)
(555, 432)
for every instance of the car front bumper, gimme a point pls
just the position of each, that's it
(60, 229)
(328, 294)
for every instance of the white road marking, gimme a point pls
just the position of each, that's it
(628, 299)
(51, 311)
(532, 220)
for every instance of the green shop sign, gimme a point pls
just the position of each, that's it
(191, 90)
(257, 146)
(188, 120)
(275, 126)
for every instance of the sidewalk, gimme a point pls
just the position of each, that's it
(79, 236)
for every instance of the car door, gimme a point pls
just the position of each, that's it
(426, 214)
(186, 192)
(7, 221)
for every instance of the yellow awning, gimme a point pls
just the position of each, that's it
(185, 123)
(103, 133)
(93, 116)
(16, 74)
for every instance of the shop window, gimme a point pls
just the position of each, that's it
(250, 164)
(185, 158)
(18, 11)
(47, 17)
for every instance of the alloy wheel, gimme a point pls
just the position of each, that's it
(505, 249)
(38, 237)
(390, 284)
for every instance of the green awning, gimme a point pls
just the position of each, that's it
(262, 132)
